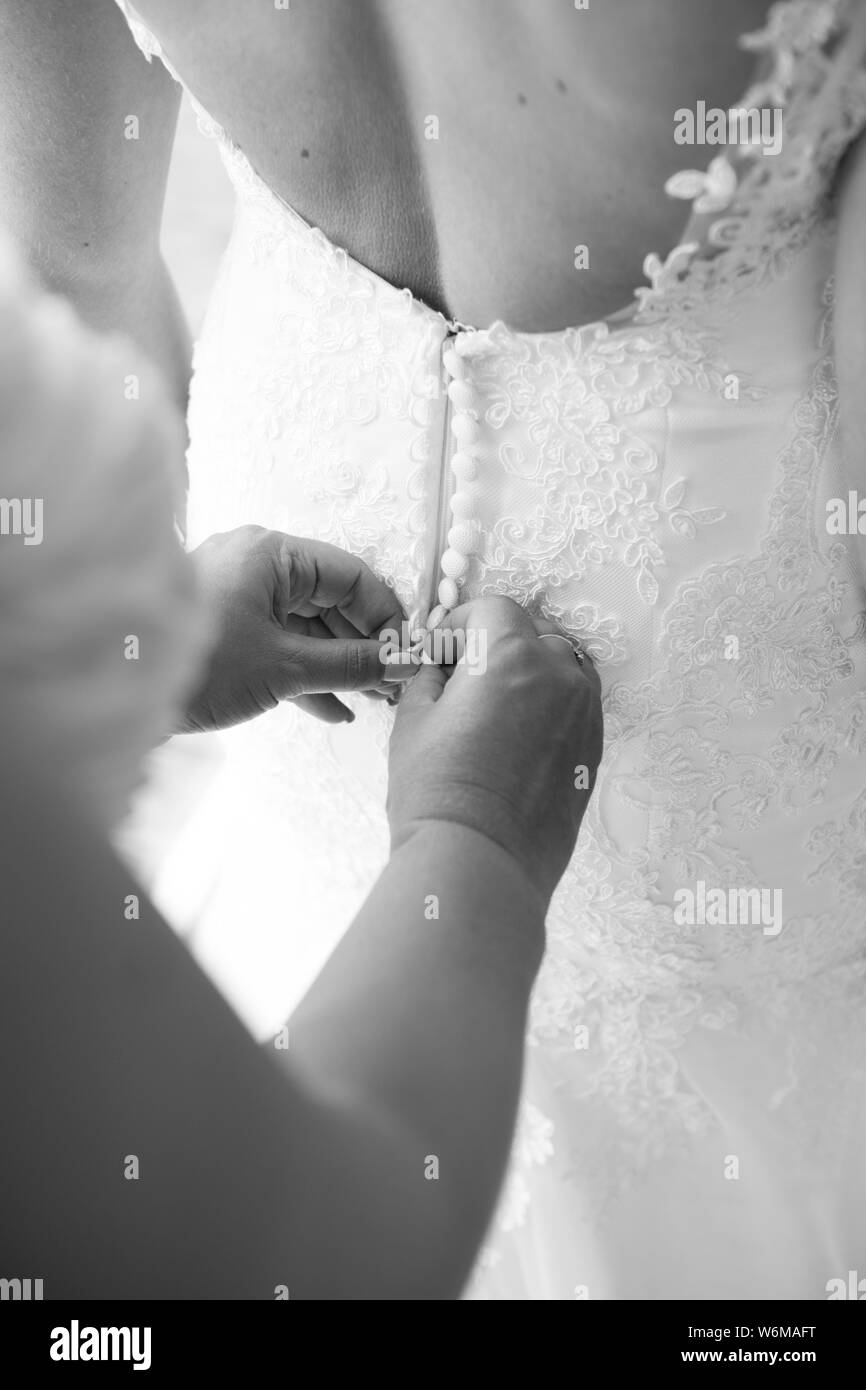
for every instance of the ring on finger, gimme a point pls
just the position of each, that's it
(577, 649)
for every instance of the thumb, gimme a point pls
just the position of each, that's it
(317, 665)
(424, 689)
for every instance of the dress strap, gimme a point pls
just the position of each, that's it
(144, 39)
(151, 47)
(753, 207)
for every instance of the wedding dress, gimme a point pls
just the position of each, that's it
(694, 1109)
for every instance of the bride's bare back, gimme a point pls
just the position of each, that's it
(466, 147)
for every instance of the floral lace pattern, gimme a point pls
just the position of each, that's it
(590, 454)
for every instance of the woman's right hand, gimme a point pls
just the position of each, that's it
(511, 750)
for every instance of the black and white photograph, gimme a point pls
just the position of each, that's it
(433, 663)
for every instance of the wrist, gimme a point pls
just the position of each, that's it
(482, 855)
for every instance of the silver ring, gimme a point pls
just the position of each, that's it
(576, 648)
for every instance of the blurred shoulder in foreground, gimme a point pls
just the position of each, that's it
(100, 628)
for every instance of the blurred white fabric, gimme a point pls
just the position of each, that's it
(101, 630)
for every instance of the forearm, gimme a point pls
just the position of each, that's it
(418, 1019)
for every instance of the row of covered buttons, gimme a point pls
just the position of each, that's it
(464, 535)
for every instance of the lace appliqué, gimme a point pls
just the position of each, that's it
(589, 456)
(621, 979)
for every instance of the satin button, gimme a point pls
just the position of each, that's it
(449, 594)
(454, 565)
(465, 537)
(464, 467)
(461, 395)
(462, 505)
(454, 365)
(465, 430)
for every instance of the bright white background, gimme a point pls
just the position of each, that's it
(198, 215)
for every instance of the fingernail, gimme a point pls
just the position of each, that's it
(399, 666)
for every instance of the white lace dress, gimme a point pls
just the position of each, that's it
(694, 1111)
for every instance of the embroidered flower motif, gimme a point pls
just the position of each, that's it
(794, 26)
(564, 404)
(712, 190)
(663, 273)
(843, 845)
(533, 1145)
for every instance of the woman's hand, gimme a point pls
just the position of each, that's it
(511, 751)
(295, 622)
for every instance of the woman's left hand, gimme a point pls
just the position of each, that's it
(297, 619)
